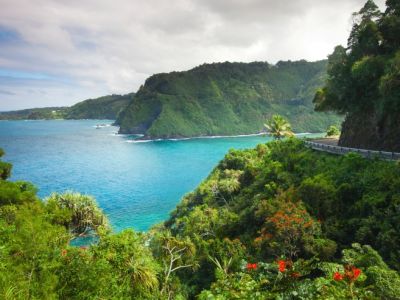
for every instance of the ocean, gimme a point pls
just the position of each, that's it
(136, 183)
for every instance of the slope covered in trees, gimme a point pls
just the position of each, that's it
(227, 99)
(277, 221)
(106, 107)
(44, 113)
(364, 80)
(282, 201)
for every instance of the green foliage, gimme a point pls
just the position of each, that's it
(119, 267)
(287, 227)
(18, 192)
(46, 113)
(363, 79)
(36, 261)
(278, 127)
(276, 222)
(106, 107)
(332, 131)
(79, 213)
(176, 254)
(293, 203)
(227, 99)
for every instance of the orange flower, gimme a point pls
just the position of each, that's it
(64, 252)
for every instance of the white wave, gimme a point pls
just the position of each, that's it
(144, 141)
(192, 138)
(102, 125)
(206, 137)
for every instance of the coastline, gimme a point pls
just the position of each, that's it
(143, 139)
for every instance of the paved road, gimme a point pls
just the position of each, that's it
(330, 145)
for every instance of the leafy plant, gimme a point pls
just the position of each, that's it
(278, 127)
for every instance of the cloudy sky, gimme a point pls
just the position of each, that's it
(57, 52)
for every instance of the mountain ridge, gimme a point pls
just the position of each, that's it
(104, 107)
(226, 99)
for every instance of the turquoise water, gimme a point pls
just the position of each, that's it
(136, 184)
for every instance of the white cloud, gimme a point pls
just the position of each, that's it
(94, 47)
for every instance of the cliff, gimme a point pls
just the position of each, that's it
(227, 99)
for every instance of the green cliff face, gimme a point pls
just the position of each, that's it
(227, 99)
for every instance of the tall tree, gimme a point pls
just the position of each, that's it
(363, 80)
(279, 127)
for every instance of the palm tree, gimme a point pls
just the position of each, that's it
(279, 127)
(84, 213)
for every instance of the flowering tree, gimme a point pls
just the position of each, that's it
(285, 230)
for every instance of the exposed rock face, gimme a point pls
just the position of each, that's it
(368, 131)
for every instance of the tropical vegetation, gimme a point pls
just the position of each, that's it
(280, 221)
(276, 222)
(363, 80)
(279, 127)
(332, 131)
(227, 99)
(46, 113)
(106, 107)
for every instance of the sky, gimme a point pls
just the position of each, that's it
(57, 52)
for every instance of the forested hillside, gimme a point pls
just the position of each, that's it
(227, 99)
(275, 222)
(106, 107)
(364, 80)
(45, 113)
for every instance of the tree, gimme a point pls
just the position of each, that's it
(332, 131)
(176, 254)
(354, 72)
(79, 213)
(363, 80)
(5, 168)
(287, 227)
(279, 127)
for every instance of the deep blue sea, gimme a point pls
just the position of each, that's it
(137, 184)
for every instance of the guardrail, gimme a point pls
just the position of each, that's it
(363, 152)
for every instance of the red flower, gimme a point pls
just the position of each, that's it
(352, 273)
(356, 272)
(337, 276)
(250, 266)
(63, 252)
(281, 265)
